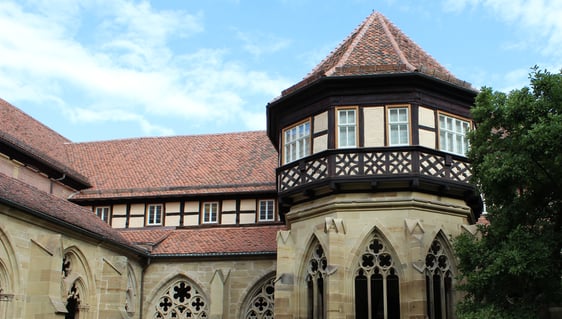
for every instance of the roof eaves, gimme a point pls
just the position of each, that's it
(43, 159)
(215, 254)
(73, 227)
(130, 192)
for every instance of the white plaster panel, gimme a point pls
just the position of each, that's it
(321, 122)
(374, 126)
(426, 117)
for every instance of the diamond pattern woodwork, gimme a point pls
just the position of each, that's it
(379, 162)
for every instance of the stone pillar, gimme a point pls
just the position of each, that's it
(412, 287)
(112, 287)
(285, 277)
(337, 252)
(219, 297)
(44, 295)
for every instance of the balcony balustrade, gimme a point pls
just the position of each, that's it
(382, 166)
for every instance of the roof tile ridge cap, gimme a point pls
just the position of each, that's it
(162, 238)
(317, 68)
(362, 30)
(395, 44)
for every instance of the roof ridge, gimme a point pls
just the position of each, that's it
(139, 138)
(353, 33)
(395, 45)
(361, 30)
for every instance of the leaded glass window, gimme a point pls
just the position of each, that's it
(438, 282)
(377, 294)
(181, 300)
(317, 265)
(261, 304)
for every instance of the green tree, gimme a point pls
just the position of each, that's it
(513, 267)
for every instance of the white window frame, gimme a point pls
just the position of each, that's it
(210, 213)
(103, 213)
(399, 125)
(269, 213)
(452, 134)
(346, 127)
(296, 141)
(154, 214)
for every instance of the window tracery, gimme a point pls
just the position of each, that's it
(181, 300)
(261, 304)
(376, 283)
(66, 266)
(316, 273)
(438, 281)
(72, 302)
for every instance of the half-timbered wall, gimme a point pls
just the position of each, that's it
(189, 213)
(423, 129)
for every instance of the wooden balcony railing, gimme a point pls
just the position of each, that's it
(383, 163)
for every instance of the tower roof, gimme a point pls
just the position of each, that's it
(377, 46)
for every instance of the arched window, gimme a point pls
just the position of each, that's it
(438, 282)
(131, 292)
(261, 304)
(377, 294)
(181, 300)
(73, 302)
(316, 273)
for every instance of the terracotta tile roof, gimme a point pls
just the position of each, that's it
(18, 194)
(26, 135)
(377, 46)
(178, 165)
(212, 241)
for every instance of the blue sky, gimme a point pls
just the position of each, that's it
(109, 69)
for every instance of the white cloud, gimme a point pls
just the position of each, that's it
(127, 69)
(538, 24)
(539, 20)
(259, 43)
(92, 115)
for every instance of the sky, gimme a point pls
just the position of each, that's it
(111, 69)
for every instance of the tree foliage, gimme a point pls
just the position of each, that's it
(513, 268)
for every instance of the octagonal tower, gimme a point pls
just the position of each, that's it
(373, 181)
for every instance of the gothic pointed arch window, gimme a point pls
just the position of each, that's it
(377, 293)
(131, 292)
(261, 303)
(181, 300)
(73, 302)
(73, 287)
(317, 265)
(438, 281)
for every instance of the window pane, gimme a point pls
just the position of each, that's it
(402, 115)
(361, 298)
(403, 134)
(346, 128)
(351, 136)
(393, 296)
(296, 142)
(452, 134)
(393, 116)
(398, 126)
(266, 210)
(377, 296)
